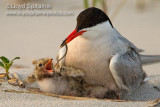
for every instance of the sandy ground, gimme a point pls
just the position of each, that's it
(37, 37)
(12, 99)
(144, 96)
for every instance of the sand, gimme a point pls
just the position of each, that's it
(14, 96)
(37, 37)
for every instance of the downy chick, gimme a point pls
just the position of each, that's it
(54, 82)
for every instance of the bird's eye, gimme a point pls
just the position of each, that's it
(40, 65)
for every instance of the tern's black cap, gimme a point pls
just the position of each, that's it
(91, 17)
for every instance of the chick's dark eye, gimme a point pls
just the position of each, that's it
(40, 64)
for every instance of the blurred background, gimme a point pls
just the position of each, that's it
(33, 37)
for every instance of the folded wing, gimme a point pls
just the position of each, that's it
(126, 69)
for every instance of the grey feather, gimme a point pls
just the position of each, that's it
(126, 69)
(146, 59)
(124, 40)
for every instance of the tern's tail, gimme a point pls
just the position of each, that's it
(150, 59)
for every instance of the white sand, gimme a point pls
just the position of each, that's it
(141, 97)
(25, 100)
(37, 37)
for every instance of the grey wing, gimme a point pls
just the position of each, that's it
(126, 69)
(130, 43)
(145, 59)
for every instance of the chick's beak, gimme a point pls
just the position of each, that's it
(73, 35)
(48, 66)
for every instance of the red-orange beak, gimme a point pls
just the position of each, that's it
(73, 35)
(48, 66)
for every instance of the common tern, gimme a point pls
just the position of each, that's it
(107, 58)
